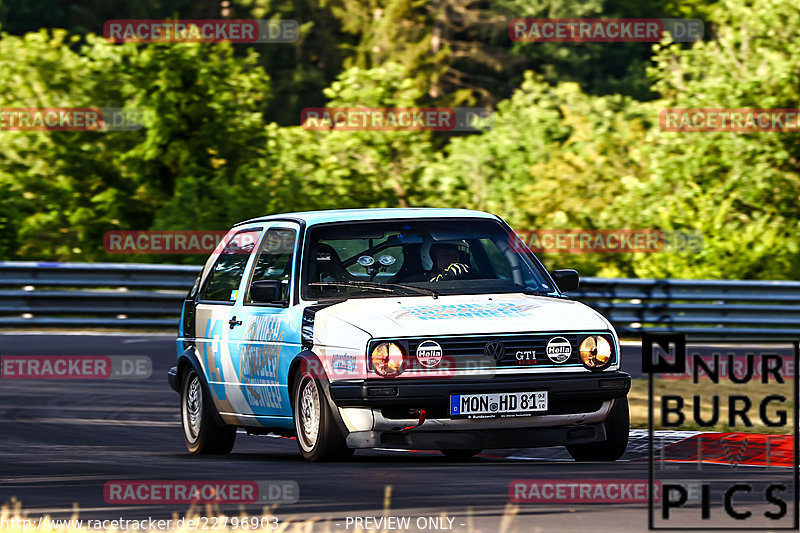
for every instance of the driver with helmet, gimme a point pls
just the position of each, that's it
(450, 261)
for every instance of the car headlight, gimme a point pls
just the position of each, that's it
(595, 352)
(388, 359)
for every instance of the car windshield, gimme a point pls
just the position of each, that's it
(419, 257)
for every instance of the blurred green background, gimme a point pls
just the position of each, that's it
(575, 143)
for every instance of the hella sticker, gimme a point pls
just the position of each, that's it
(429, 354)
(559, 349)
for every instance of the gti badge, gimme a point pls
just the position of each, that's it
(429, 354)
(559, 349)
(494, 350)
(526, 357)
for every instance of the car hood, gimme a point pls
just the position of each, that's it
(464, 314)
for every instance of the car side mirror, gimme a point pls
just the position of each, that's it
(266, 291)
(567, 279)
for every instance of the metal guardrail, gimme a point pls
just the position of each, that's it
(126, 295)
(93, 295)
(705, 307)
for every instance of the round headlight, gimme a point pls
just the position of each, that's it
(388, 359)
(595, 351)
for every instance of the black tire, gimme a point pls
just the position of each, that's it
(318, 437)
(460, 454)
(201, 432)
(618, 426)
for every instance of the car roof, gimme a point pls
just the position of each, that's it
(340, 215)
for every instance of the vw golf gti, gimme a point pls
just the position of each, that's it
(404, 328)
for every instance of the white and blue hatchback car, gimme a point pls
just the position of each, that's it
(397, 328)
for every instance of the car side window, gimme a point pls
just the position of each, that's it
(226, 274)
(497, 260)
(274, 261)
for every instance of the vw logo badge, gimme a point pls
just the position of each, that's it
(494, 350)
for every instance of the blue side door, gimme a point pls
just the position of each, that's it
(217, 314)
(268, 338)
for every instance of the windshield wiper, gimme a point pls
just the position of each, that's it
(537, 292)
(388, 287)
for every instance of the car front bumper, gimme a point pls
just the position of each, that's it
(577, 406)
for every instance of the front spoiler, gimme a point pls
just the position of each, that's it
(419, 393)
(478, 440)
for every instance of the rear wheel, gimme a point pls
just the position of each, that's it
(201, 433)
(617, 429)
(317, 435)
(460, 454)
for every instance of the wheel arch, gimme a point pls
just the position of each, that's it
(186, 360)
(319, 372)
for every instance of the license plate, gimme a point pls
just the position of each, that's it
(498, 404)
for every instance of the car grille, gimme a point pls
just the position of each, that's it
(520, 351)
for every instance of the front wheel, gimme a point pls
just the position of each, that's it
(201, 433)
(617, 429)
(317, 435)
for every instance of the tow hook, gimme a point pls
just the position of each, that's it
(422, 416)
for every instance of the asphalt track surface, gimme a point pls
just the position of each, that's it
(62, 441)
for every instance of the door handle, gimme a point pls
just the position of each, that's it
(233, 322)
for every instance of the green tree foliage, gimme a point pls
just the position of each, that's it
(330, 169)
(739, 189)
(215, 147)
(599, 68)
(457, 51)
(559, 158)
(555, 159)
(202, 139)
(302, 70)
(87, 16)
